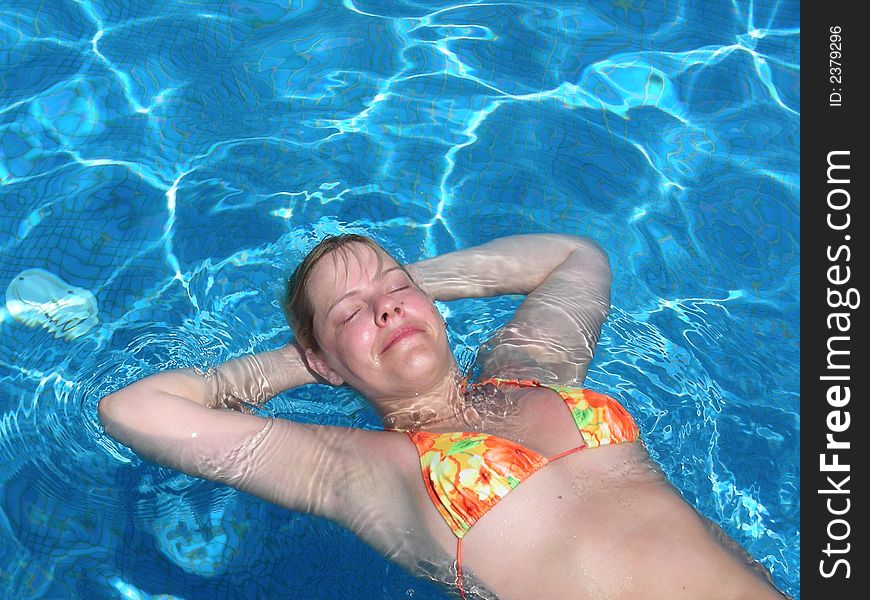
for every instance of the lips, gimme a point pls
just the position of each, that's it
(399, 334)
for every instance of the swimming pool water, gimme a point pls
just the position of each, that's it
(174, 159)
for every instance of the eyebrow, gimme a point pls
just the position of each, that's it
(355, 292)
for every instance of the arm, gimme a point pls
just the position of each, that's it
(510, 265)
(254, 379)
(553, 334)
(174, 419)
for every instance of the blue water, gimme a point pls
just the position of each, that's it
(175, 159)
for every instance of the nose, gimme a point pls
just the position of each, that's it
(388, 309)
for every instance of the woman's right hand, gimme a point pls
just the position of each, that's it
(252, 380)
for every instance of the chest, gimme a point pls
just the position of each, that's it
(537, 418)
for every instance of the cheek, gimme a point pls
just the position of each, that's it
(354, 336)
(434, 314)
(421, 305)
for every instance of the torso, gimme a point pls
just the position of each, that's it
(599, 523)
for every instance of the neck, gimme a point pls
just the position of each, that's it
(442, 404)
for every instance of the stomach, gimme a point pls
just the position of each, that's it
(604, 523)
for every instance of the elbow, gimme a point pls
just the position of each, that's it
(107, 410)
(104, 410)
(569, 244)
(591, 251)
(600, 254)
(587, 244)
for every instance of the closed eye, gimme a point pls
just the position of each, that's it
(349, 318)
(400, 289)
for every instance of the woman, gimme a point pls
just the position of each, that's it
(519, 497)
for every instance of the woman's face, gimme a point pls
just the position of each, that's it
(377, 331)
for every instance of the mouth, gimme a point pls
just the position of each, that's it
(398, 335)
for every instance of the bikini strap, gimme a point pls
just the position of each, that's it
(519, 382)
(459, 567)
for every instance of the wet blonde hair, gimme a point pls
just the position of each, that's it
(297, 305)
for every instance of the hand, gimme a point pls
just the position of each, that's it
(238, 385)
(238, 405)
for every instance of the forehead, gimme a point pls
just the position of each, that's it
(347, 267)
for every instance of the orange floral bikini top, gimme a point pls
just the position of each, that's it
(467, 473)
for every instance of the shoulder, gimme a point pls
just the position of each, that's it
(381, 496)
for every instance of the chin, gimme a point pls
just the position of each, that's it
(415, 361)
